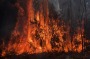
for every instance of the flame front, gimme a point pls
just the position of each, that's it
(38, 33)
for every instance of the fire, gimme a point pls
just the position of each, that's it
(38, 33)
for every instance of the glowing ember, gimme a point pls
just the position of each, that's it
(38, 33)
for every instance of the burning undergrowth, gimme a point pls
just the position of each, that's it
(38, 33)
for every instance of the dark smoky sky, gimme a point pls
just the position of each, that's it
(9, 12)
(8, 15)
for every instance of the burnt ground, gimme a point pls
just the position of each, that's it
(49, 55)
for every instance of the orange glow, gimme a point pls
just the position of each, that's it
(38, 33)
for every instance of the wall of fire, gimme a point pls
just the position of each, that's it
(67, 10)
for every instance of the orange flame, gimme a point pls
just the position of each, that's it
(38, 33)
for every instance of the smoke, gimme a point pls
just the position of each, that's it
(56, 5)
